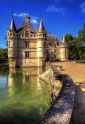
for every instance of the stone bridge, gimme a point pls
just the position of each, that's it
(68, 107)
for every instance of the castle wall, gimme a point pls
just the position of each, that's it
(12, 46)
(35, 50)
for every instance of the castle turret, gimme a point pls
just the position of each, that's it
(12, 26)
(11, 38)
(41, 43)
(63, 50)
(41, 27)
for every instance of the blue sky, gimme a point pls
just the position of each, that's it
(60, 16)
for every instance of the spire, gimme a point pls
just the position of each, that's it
(12, 25)
(26, 20)
(41, 26)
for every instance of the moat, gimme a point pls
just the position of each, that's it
(24, 98)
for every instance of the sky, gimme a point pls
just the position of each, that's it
(60, 16)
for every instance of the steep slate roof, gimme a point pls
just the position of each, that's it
(12, 25)
(41, 26)
(27, 23)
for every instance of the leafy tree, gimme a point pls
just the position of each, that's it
(68, 37)
(81, 34)
(51, 44)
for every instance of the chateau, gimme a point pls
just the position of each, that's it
(28, 47)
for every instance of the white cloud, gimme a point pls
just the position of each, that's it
(54, 9)
(20, 14)
(82, 6)
(34, 21)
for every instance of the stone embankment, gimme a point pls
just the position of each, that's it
(61, 110)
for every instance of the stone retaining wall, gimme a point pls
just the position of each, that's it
(61, 111)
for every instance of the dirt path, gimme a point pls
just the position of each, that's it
(75, 70)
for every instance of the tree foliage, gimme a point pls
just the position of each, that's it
(51, 44)
(68, 37)
(3, 55)
(76, 50)
(81, 34)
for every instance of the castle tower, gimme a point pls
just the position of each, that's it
(63, 50)
(41, 44)
(11, 39)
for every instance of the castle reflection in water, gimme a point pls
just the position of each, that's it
(25, 93)
(26, 79)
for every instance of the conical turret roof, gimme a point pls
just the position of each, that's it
(41, 26)
(12, 25)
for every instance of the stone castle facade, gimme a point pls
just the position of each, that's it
(27, 47)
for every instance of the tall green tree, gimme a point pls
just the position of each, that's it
(68, 37)
(81, 34)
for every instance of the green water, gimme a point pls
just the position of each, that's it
(24, 98)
